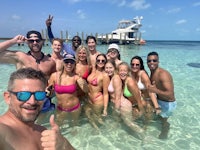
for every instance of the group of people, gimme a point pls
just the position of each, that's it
(83, 80)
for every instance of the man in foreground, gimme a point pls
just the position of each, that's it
(24, 96)
(163, 87)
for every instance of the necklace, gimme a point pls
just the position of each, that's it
(36, 59)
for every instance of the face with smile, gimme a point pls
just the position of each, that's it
(76, 41)
(152, 62)
(135, 65)
(109, 69)
(34, 43)
(82, 55)
(123, 71)
(100, 61)
(56, 46)
(91, 45)
(26, 111)
(69, 65)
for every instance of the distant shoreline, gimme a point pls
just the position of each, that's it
(146, 40)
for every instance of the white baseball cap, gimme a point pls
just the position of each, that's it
(114, 46)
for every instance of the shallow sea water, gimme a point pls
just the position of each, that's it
(185, 122)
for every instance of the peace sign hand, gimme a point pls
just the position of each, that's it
(49, 21)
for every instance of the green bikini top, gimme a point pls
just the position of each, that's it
(127, 93)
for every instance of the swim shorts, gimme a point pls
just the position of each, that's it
(48, 105)
(167, 108)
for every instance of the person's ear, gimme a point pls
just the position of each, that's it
(7, 97)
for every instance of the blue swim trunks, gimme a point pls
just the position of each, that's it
(167, 108)
(48, 105)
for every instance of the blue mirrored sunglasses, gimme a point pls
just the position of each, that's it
(25, 95)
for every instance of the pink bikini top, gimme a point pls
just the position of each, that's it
(65, 89)
(94, 82)
(86, 74)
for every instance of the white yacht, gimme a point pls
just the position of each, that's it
(127, 32)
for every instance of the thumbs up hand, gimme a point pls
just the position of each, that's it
(52, 139)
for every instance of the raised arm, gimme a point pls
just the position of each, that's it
(16, 40)
(49, 31)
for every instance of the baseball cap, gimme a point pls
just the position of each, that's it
(28, 35)
(114, 46)
(69, 57)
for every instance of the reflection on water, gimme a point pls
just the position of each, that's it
(184, 130)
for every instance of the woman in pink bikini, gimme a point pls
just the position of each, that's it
(65, 83)
(83, 68)
(98, 82)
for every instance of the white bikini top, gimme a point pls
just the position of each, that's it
(141, 86)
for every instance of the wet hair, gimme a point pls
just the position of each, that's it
(26, 73)
(140, 60)
(34, 32)
(90, 37)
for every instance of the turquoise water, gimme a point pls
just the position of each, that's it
(185, 122)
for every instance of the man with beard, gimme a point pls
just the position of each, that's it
(25, 97)
(163, 87)
(35, 58)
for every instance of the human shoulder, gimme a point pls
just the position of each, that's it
(163, 74)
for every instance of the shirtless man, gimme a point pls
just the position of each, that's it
(24, 96)
(35, 58)
(163, 86)
(91, 43)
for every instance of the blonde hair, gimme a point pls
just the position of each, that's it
(87, 54)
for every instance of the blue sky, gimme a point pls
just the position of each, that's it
(163, 20)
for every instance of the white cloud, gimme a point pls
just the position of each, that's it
(196, 4)
(198, 29)
(175, 10)
(122, 3)
(81, 14)
(139, 4)
(15, 17)
(181, 21)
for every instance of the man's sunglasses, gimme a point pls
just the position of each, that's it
(152, 60)
(25, 95)
(32, 41)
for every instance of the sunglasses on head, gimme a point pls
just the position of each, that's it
(137, 65)
(25, 95)
(69, 61)
(32, 41)
(101, 61)
(152, 60)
